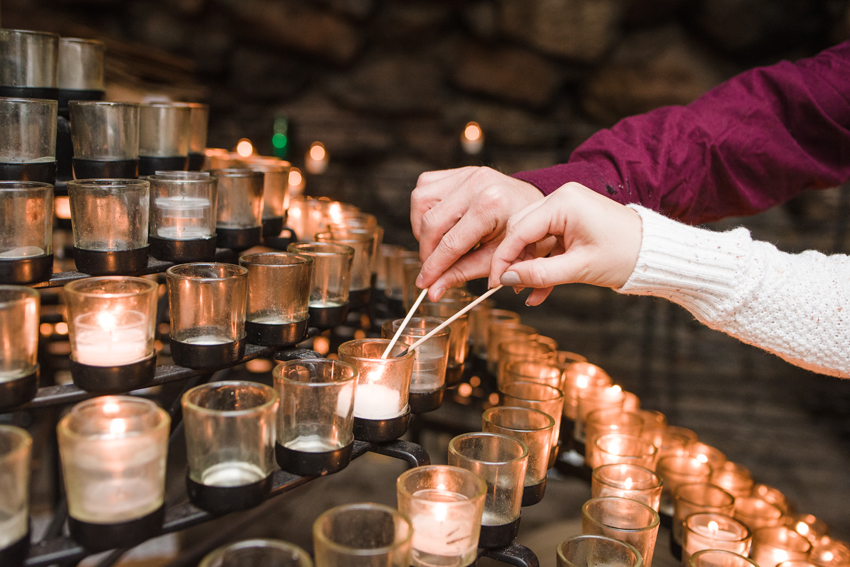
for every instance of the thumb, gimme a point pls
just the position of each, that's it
(541, 272)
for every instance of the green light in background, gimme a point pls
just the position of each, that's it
(280, 136)
(279, 141)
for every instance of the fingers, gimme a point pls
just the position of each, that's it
(530, 226)
(544, 273)
(537, 296)
(446, 267)
(433, 188)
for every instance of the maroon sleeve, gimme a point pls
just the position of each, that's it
(750, 143)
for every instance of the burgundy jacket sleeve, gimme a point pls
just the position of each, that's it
(750, 143)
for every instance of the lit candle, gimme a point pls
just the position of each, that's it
(472, 139)
(184, 215)
(375, 401)
(104, 338)
(714, 532)
(316, 160)
(22, 252)
(440, 530)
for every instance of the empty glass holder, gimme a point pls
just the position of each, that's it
(19, 368)
(329, 287)
(258, 552)
(163, 137)
(26, 240)
(28, 144)
(362, 535)
(182, 225)
(363, 244)
(596, 550)
(620, 518)
(105, 137)
(239, 216)
(29, 64)
(15, 458)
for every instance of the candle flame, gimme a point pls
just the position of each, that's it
(628, 483)
(581, 382)
(110, 407)
(472, 132)
(616, 388)
(465, 390)
(828, 556)
(117, 426)
(802, 528)
(712, 527)
(335, 212)
(317, 151)
(702, 458)
(244, 148)
(296, 181)
(106, 320)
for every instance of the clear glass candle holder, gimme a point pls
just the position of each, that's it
(258, 552)
(80, 66)
(620, 518)
(26, 241)
(708, 530)
(105, 136)
(578, 377)
(612, 420)
(207, 303)
(430, 360)
(113, 451)
(595, 398)
(499, 332)
(19, 321)
(541, 397)
(445, 505)
(627, 481)
(362, 535)
(532, 427)
(534, 371)
(707, 454)
(15, 458)
(775, 496)
(278, 297)
(807, 525)
(757, 513)
(654, 424)
(384, 253)
(182, 224)
(230, 434)
(501, 462)
(363, 244)
(239, 215)
(163, 137)
(329, 285)
(776, 544)
(199, 117)
(530, 349)
(29, 63)
(275, 193)
(828, 552)
(671, 442)
(675, 471)
(718, 558)
(394, 289)
(452, 301)
(698, 498)
(596, 550)
(28, 144)
(734, 478)
(615, 448)
(315, 421)
(304, 218)
(479, 321)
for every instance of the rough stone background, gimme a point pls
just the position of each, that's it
(387, 86)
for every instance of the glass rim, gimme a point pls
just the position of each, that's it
(332, 248)
(164, 418)
(702, 552)
(273, 398)
(21, 439)
(499, 436)
(329, 235)
(753, 513)
(15, 101)
(98, 183)
(304, 557)
(507, 345)
(389, 359)
(708, 487)
(236, 173)
(630, 547)
(165, 179)
(748, 533)
(656, 519)
(31, 32)
(536, 384)
(25, 186)
(421, 332)
(149, 286)
(277, 372)
(103, 103)
(81, 40)
(481, 486)
(255, 259)
(597, 471)
(498, 409)
(235, 271)
(26, 294)
(770, 543)
(652, 452)
(356, 551)
(679, 459)
(162, 104)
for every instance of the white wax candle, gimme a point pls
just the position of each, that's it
(207, 340)
(311, 444)
(182, 232)
(714, 532)
(12, 527)
(101, 340)
(183, 214)
(439, 529)
(23, 252)
(375, 401)
(232, 473)
(119, 499)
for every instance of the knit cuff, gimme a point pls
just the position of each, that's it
(702, 270)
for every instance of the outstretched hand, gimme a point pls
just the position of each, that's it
(452, 211)
(597, 241)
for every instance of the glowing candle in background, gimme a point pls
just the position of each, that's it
(472, 139)
(316, 159)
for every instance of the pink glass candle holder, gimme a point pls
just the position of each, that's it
(620, 518)
(807, 525)
(757, 513)
(594, 550)
(706, 530)
(777, 544)
(522, 349)
(828, 552)
(594, 398)
(732, 477)
(541, 397)
(609, 420)
(15, 459)
(775, 496)
(675, 471)
(627, 481)
(615, 448)
(718, 558)
(706, 454)
(694, 499)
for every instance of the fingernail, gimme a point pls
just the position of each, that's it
(420, 279)
(510, 278)
(440, 291)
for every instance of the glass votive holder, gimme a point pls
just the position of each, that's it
(258, 552)
(411, 268)
(28, 144)
(479, 321)
(362, 535)
(207, 303)
(230, 433)
(499, 332)
(757, 513)
(360, 284)
(734, 478)
(26, 241)
(381, 410)
(675, 471)
(328, 305)
(614, 420)
(111, 323)
(395, 288)
(594, 398)
(709, 530)
(275, 194)
(544, 372)
(278, 295)
(807, 525)
(577, 377)
(28, 64)
(614, 448)
(522, 349)
(671, 442)
(453, 300)
(776, 544)
(627, 481)
(427, 384)
(315, 427)
(595, 550)
(541, 397)
(445, 505)
(775, 496)
(80, 70)
(303, 218)
(501, 462)
(697, 498)
(532, 427)
(216, 158)
(182, 225)
(105, 136)
(828, 552)
(163, 137)
(707, 454)
(19, 368)
(15, 457)
(239, 215)
(199, 117)
(384, 252)
(620, 518)
(718, 558)
(113, 451)
(110, 219)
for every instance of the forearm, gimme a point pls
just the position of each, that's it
(795, 306)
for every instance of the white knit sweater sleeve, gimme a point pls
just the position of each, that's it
(796, 306)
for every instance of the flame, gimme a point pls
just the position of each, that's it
(712, 527)
(117, 426)
(472, 132)
(828, 556)
(106, 320)
(616, 388)
(464, 390)
(582, 381)
(802, 528)
(628, 483)
(702, 458)
(110, 408)
(244, 148)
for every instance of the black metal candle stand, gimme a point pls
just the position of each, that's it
(100, 537)
(15, 555)
(665, 519)
(381, 430)
(675, 547)
(105, 169)
(67, 95)
(359, 298)
(513, 554)
(43, 171)
(196, 162)
(279, 242)
(111, 263)
(239, 238)
(18, 391)
(303, 463)
(180, 251)
(328, 317)
(568, 427)
(207, 356)
(533, 493)
(272, 226)
(284, 334)
(149, 165)
(51, 93)
(225, 499)
(423, 402)
(23, 271)
(572, 464)
(499, 536)
(114, 379)
(454, 375)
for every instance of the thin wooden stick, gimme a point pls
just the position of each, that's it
(405, 322)
(451, 319)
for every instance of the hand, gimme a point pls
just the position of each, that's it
(597, 242)
(453, 210)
